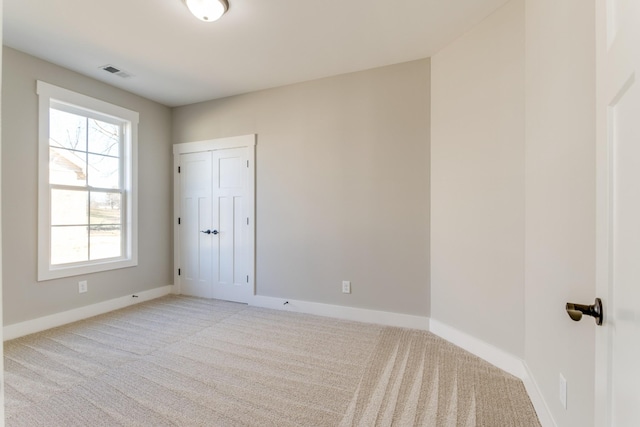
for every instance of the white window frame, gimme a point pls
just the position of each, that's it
(49, 94)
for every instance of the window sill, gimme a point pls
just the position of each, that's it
(48, 273)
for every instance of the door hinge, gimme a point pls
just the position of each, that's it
(247, 278)
(247, 220)
(178, 169)
(247, 163)
(179, 272)
(178, 221)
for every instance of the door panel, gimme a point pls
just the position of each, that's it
(618, 256)
(230, 170)
(229, 206)
(625, 284)
(240, 240)
(226, 216)
(195, 246)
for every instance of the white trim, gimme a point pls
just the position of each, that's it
(58, 319)
(606, 84)
(343, 312)
(70, 97)
(494, 355)
(491, 354)
(251, 212)
(539, 404)
(176, 228)
(487, 352)
(215, 144)
(48, 93)
(500, 359)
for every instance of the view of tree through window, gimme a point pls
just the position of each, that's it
(86, 187)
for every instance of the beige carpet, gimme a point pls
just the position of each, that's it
(180, 361)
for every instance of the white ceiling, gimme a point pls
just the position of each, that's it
(177, 59)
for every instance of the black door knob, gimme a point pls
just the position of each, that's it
(207, 232)
(575, 311)
(214, 232)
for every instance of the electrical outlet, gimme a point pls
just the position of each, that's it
(563, 391)
(82, 286)
(346, 287)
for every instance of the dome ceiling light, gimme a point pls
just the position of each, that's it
(207, 10)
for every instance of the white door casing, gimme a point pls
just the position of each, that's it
(214, 208)
(618, 213)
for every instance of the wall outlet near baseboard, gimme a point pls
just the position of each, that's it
(563, 391)
(82, 286)
(346, 287)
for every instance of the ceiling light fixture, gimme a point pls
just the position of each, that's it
(207, 10)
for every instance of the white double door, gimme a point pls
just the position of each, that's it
(215, 224)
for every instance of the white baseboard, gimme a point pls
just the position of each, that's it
(494, 355)
(500, 359)
(540, 405)
(47, 322)
(488, 352)
(343, 312)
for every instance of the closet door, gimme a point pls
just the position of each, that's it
(215, 254)
(196, 245)
(230, 219)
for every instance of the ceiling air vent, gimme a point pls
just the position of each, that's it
(118, 72)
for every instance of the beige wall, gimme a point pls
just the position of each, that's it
(513, 191)
(342, 184)
(560, 232)
(477, 181)
(24, 297)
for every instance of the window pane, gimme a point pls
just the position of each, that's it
(69, 244)
(67, 167)
(104, 138)
(105, 242)
(69, 207)
(67, 130)
(105, 208)
(104, 171)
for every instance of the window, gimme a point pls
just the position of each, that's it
(87, 194)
